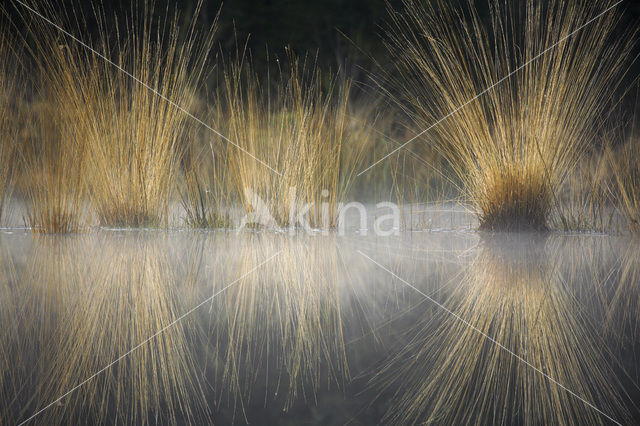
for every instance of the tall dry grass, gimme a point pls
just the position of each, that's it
(130, 129)
(52, 180)
(7, 118)
(625, 165)
(601, 192)
(512, 146)
(586, 201)
(206, 192)
(302, 126)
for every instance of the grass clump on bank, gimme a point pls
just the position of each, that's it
(130, 128)
(300, 125)
(298, 128)
(510, 141)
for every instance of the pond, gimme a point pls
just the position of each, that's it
(449, 327)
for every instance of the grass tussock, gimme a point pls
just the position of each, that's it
(511, 147)
(131, 129)
(302, 127)
(7, 119)
(53, 180)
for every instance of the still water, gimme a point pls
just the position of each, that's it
(263, 328)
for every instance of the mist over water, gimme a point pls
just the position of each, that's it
(447, 327)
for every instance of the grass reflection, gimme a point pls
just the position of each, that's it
(515, 290)
(319, 332)
(78, 312)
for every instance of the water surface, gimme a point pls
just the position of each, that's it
(198, 327)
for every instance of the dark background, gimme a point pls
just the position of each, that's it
(316, 26)
(345, 35)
